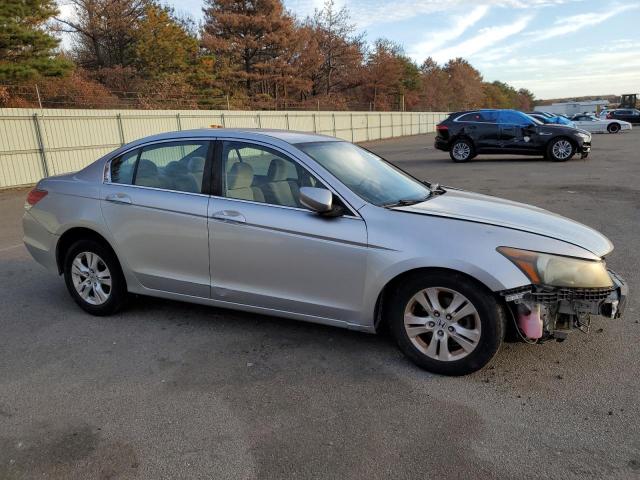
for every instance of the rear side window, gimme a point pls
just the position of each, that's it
(175, 166)
(122, 168)
(471, 117)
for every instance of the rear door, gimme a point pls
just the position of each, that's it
(271, 252)
(482, 128)
(154, 207)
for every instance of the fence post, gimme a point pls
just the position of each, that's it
(224, 124)
(40, 139)
(351, 124)
(120, 129)
(315, 127)
(380, 124)
(286, 116)
(178, 122)
(367, 117)
(259, 120)
(333, 116)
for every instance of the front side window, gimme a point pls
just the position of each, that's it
(366, 174)
(173, 166)
(261, 174)
(515, 118)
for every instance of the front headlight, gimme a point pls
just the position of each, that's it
(559, 271)
(585, 136)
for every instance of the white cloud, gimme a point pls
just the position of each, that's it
(376, 12)
(562, 26)
(435, 40)
(567, 25)
(485, 38)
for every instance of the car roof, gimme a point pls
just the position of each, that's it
(288, 136)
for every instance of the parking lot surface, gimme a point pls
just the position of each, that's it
(171, 390)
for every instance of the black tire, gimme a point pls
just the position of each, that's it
(491, 317)
(465, 145)
(117, 294)
(553, 156)
(613, 128)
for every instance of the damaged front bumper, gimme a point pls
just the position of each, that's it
(559, 310)
(584, 149)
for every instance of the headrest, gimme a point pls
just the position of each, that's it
(240, 176)
(175, 169)
(196, 164)
(277, 170)
(146, 168)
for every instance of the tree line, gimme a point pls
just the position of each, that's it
(244, 54)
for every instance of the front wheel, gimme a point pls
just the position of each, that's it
(462, 151)
(560, 150)
(613, 128)
(94, 278)
(446, 323)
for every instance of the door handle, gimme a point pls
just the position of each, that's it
(229, 216)
(119, 198)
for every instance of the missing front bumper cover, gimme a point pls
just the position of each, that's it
(571, 308)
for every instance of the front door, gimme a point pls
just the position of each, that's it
(518, 134)
(269, 251)
(156, 212)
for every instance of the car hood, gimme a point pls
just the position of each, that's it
(475, 207)
(553, 128)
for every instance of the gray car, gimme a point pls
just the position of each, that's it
(313, 228)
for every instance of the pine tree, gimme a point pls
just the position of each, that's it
(27, 51)
(246, 37)
(162, 45)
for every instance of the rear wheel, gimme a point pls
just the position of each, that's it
(613, 128)
(94, 278)
(462, 151)
(446, 323)
(560, 150)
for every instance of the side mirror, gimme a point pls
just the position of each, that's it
(320, 200)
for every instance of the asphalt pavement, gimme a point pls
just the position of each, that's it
(172, 390)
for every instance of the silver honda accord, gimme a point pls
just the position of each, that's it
(313, 228)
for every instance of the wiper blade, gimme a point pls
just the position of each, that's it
(403, 202)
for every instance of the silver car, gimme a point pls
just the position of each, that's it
(313, 228)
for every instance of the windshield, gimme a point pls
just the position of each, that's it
(538, 120)
(366, 174)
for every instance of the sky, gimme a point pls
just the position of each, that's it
(555, 48)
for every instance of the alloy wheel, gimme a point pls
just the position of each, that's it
(91, 278)
(442, 323)
(562, 149)
(461, 151)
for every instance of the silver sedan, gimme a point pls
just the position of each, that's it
(317, 229)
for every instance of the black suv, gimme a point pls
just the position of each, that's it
(631, 115)
(466, 134)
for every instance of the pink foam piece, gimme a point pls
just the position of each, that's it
(531, 325)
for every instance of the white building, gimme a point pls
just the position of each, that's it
(571, 108)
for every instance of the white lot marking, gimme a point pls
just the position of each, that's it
(10, 248)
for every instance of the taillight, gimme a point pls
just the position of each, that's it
(442, 128)
(35, 196)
